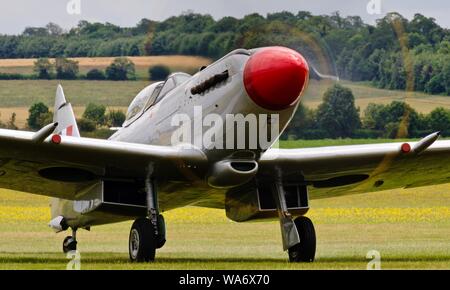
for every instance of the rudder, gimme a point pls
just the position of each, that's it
(64, 116)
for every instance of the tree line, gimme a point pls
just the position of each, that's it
(121, 69)
(395, 53)
(338, 117)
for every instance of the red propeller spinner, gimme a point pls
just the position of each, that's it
(275, 77)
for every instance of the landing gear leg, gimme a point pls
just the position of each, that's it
(299, 237)
(154, 216)
(70, 242)
(289, 231)
(147, 234)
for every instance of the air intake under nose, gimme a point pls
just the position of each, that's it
(275, 77)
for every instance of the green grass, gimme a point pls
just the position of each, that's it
(79, 93)
(25, 93)
(205, 239)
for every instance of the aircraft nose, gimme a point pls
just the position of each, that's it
(275, 77)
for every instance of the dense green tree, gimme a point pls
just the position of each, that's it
(95, 74)
(145, 26)
(66, 69)
(38, 114)
(302, 124)
(226, 24)
(43, 68)
(116, 118)
(95, 113)
(158, 72)
(121, 69)
(439, 120)
(86, 125)
(436, 85)
(446, 76)
(338, 115)
(54, 29)
(427, 27)
(375, 116)
(397, 119)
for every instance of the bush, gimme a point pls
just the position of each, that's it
(9, 76)
(86, 125)
(95, 113)
(393, 131)
(116, 118)
(436, 85)
(66, 69)
(38, 115)
(95, 74)
(121, 69)
(43, 68)
(158, 72)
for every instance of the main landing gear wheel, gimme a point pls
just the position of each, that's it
(69, 244)
(142, 242)
(161, 239)
(306, 250)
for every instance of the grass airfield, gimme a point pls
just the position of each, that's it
(410, 229)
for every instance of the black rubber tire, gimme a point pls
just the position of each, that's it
(161, 240)
(69, 245)
(145, 249)
(305, 251)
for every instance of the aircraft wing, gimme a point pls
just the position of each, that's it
(61, 169)
(342, 170)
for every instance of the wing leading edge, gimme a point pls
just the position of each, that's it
(341, 170)
(52, 169)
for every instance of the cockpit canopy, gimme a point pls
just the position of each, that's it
(152, 94)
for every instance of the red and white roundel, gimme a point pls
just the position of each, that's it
(68, 131)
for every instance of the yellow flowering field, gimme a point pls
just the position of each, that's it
(24, 214)
(192, 215)
(430, 205)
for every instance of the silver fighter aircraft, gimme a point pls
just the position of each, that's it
(140, 173)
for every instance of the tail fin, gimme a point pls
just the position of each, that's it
(64, 116)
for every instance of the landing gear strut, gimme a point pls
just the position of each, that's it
(147, 234)
(70, 242)
(299, 237)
